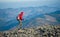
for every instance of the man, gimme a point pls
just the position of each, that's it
(20, 18)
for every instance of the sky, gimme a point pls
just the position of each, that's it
(28, 3)
(16, 0)
(24, 0)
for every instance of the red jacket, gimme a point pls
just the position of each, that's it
(20, 16)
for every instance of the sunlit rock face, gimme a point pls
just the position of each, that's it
(33, 16)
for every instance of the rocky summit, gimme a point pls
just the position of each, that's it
(39, 31)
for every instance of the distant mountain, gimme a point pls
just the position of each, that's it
(39, 21)
(8, 17)
(52, 18)
(55, 14)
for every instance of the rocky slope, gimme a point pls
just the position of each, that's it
(39, 31)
